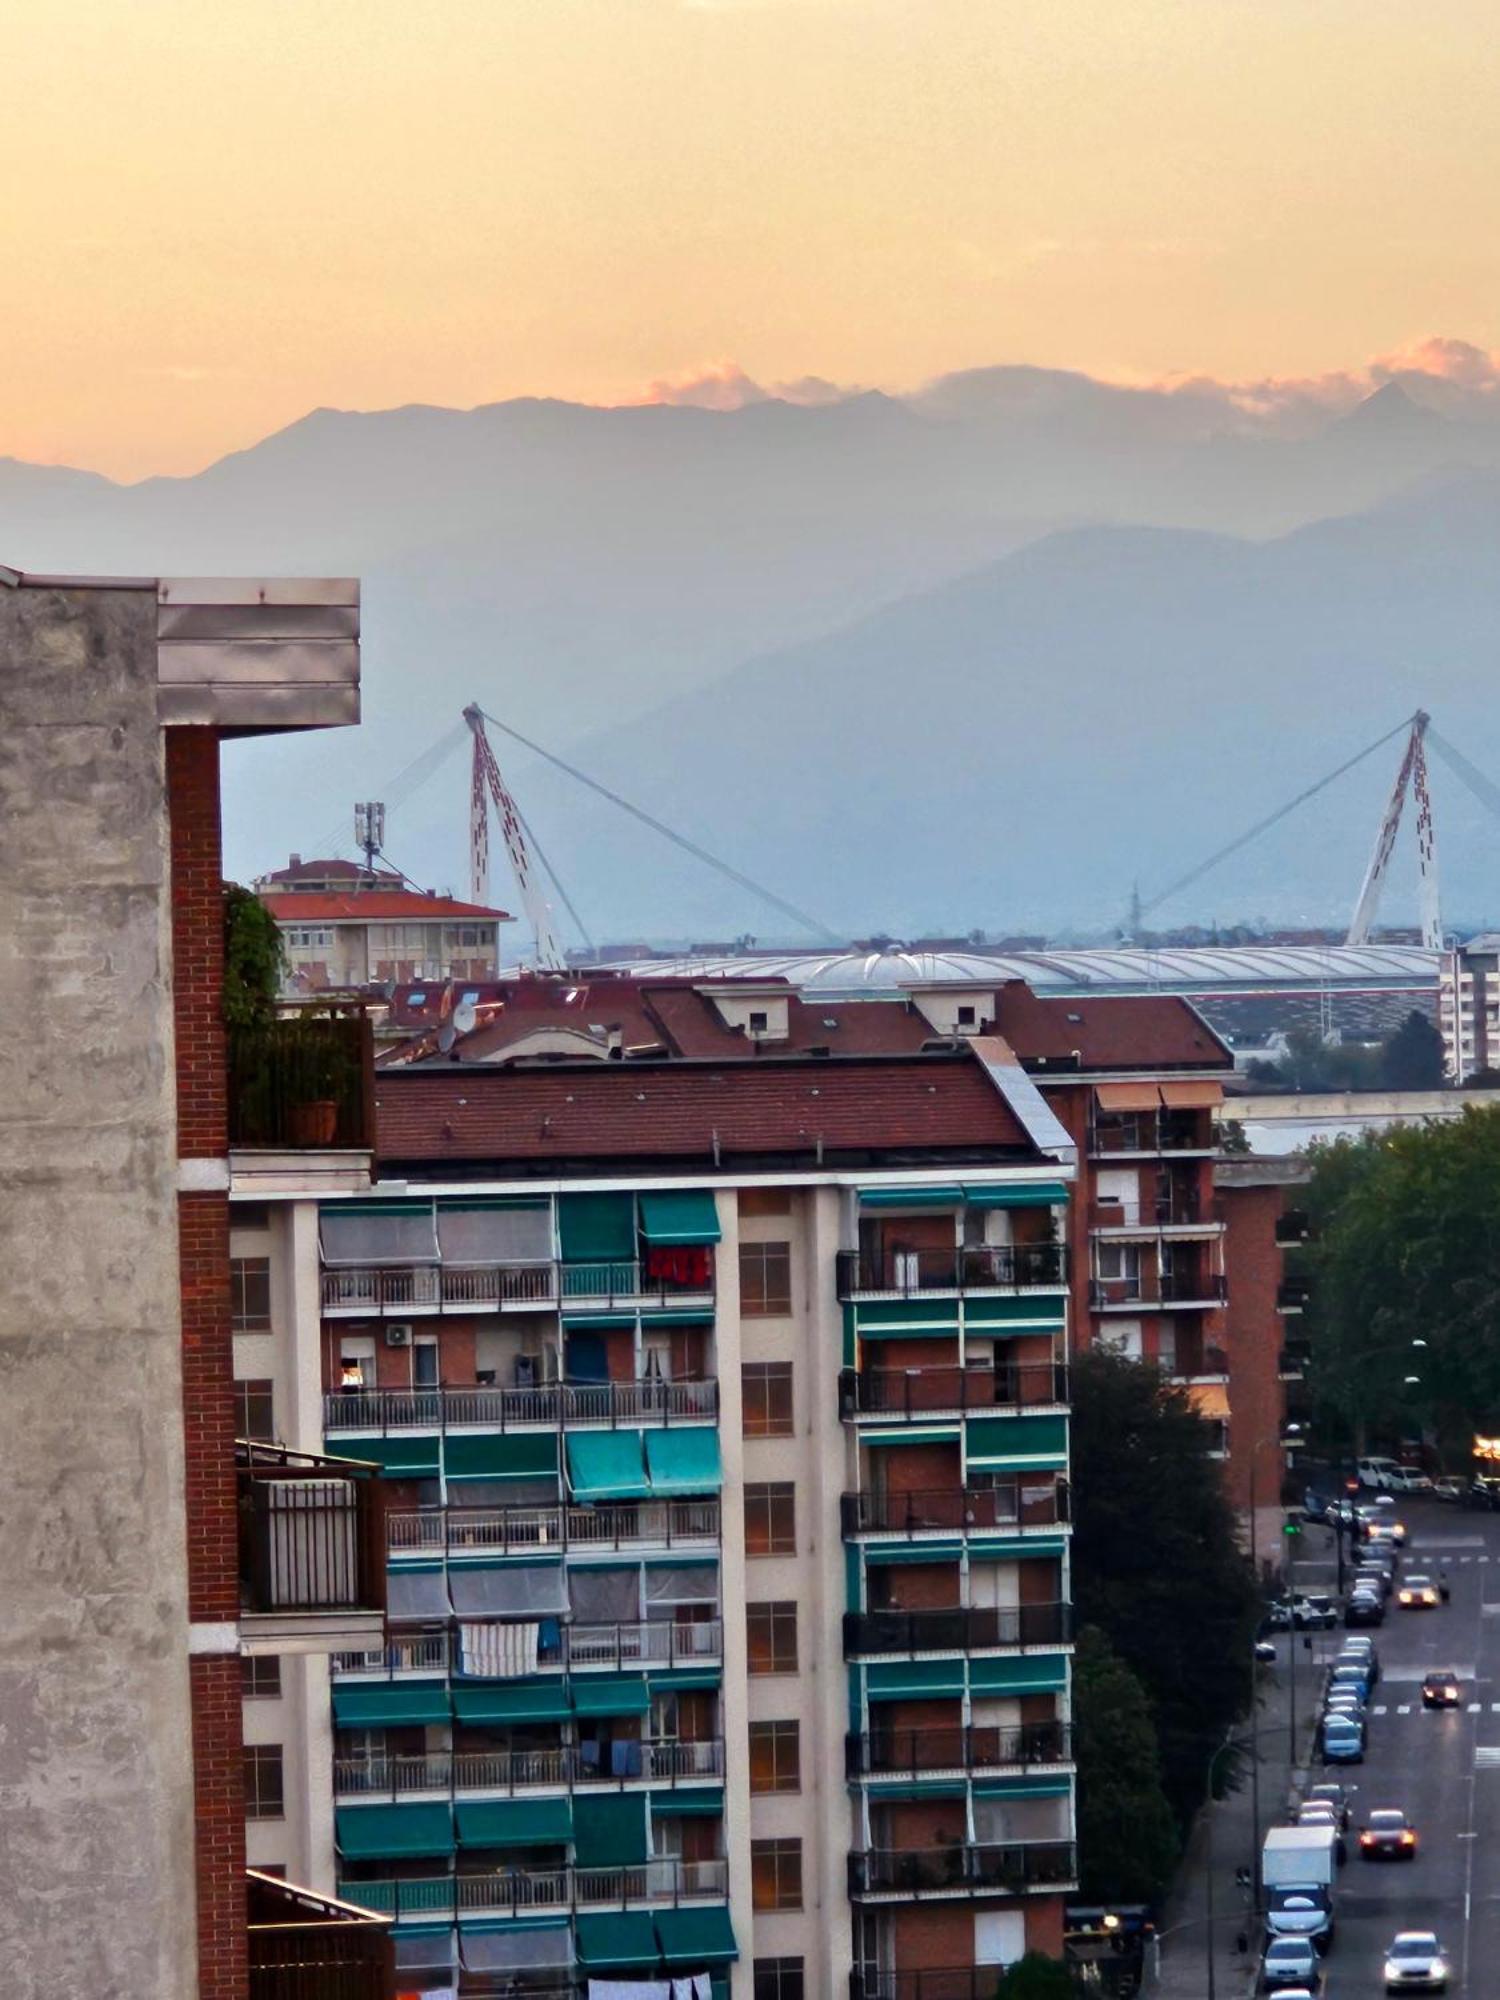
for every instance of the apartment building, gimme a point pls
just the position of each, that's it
(147, 1560)
(344, 934)
(719, 1396)
(1469, 1007)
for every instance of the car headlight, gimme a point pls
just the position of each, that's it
(1392, 1970)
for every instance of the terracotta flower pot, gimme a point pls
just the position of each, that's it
(315, 1123)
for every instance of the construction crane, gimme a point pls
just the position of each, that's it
(1411, 776)
(488, 784)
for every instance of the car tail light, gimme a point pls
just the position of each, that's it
(1367, 1840)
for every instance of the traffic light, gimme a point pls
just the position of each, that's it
(1291, 1529)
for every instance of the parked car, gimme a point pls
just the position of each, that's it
(1378, 1474)
(1415, 1963)
(1356, 1674)
(1449, 1489)
(1302, 1614)
(1483, 1494)
(1378, 1567)
(1441, 1689)
(1290, 1963)
(1316, 1812)
(1366, 1606)
(1388, 1835)
(1300, 1910)
(1336, 1799)
(1343, 1739)
(1362, 1648)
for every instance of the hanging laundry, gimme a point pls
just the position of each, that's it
(499, 1652)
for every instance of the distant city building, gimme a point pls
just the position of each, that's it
(1469, 1007)
(343, 928)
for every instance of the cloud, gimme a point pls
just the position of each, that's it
(1440, 372)
(724, 385)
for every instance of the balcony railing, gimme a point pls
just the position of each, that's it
(976, 1870)
(1292, 1294)
(892, 1753)
(953, 1982)
(507, 1771)
(659, 1642)
(421, 1653)
(305, 1081)
(971, 1629)
(999, 1267)
(301, 1946)
(1019, 1503)
(1153, 1288)
(311, 1534)
(1148, 1132)
(517, 1891)
(382, 1411)
(365, 1288)
(515, 1530)
(1175, 1211)
(923, 1392)
(1293, 1225)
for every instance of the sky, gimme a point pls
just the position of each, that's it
(220, 215)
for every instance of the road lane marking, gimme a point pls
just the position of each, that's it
(1404, 1709)
(1379, 1709)
(1475, 1707)
(1487, 1756)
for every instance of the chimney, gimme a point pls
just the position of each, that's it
(295, 861)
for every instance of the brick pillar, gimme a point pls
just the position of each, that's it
(192, 762)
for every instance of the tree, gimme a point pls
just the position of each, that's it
(1127, 1840)
(1157, 1563)
(253, 960)
(1036, 1977)
(1412, 1057)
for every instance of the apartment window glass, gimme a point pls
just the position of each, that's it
(766, 1391)
(424, 1364)
(253, 1413)
(1118, 1260)
(775, 1757)
(260, 1674)
(776, 1874)
(771, 1518)
(765, 1279)
(771, 1636)
(265, 1796)
(779, 1979)
(765, 1201)
(250, 1294)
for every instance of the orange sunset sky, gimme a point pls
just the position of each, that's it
(219, 215)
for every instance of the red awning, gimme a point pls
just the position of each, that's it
(1201, 1094)
(1127, 1096)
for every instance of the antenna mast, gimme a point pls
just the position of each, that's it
(488, 784)
(369, 832)
(1413, 773)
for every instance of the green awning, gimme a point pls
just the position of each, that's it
(523, 1455)
(913, 1434)
(1017, 1444)
(685, 1216)
(596, 1228)
(393, 1833)
(707, 1803)
(616, 1940)
(517, 1701)
(612, 1694)
(673, 1316)
(699, 1938)
(514, 1823)
(682, 1461)
(1032, 1312)
(906, 1319)
(678, 1678)
(1022, 1788)
(1017, 1194)
(1003, 1548)
(916, 1788)
(598, 1322)
(414, 1457)
(946, 1196)
(609, 1831)
(884, 1554)
(607, 1465)
(392, 1705)
(915, 1680)
(1033, 1673)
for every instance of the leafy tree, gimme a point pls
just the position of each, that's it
(1233, 1137)
(252, 960)
(1127, 1839)
(1412, 1057)
(1036, 1977)
(1157, 1563)
(1310, 1063)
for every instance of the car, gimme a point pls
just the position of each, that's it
(1343, 1739)
(1415, 1963)
(1388, 1835)
(1417, 1593)
(1482, 1494)
(1376, 1473)
(1441, 1689)
(1290, 1964)
(1377, 1570)
(1365, 1607)
(1449, 1490)
(1349, 1707)
(1320, 1814)
(1386, 1534)
(1315, 1505)
(1266, 1654)
(1360, 1649)
(1358, 1674)
(1409, 1479)
(1301, 1614)
(1300, 1910)
(1334, 1797)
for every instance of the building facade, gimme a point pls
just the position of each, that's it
(375, 934)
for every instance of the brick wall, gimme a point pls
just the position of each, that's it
(1253, 1262)
(921, 1468)
(924, 1586)
(192, 757)
(219, 1828)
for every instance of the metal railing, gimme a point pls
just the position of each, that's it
(1152, 1132)
(320, 1961)
(998, 1267)
(514, 1530)
(1150, 1288)
(515, 1891)
(966, 1629)
(624, 1280)
(1013, 1866)
(659, 1642)
(548, 1403)
(1036, 1502)
(919, 1392)
(886, 1753)
(422, 1653)
(481, 1287)
(387, 1775)
(311, 1533)
(303, 1081)
(1175, 1211)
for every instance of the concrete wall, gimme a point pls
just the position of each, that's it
(96, 1791)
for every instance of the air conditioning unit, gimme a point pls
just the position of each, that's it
(398, 1333)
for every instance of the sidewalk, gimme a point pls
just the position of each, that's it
(1223, 1841)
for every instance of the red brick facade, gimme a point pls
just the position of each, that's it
(1257, 1397)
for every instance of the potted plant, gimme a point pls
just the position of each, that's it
(319, 1069)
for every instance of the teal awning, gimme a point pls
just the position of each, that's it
(678, 1678)
(906, 1319)
(613, 1694)
(607, 1465)
(522, 1455)
(609, 1831)
(1033, 1673)
(915, 1680)
(1017, 1444)
(596, 1228)
(516, 1701)
(683, 1461)
(392, 1705)
(684, 1216)
(948, 1196)
(707, 1803)
(393, 1833)
(616, 1940)
(1017, 1194)
(514, 1823)
(414, 1457)
(884, 1554)
(698, 1938)
(1022, 1788)
(1032, 1312)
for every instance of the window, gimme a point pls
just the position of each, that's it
(967, 1017)
(260, 1674)
(253, 1416)
(765, 1201)
(264, 1796)
(424, 1363)
(771, 1636)
(771, 1518)
(779, 1979)
(760, 1021)
(775, 1757)
(776, 1874)
(766, 1387)
(250, 1294)
(1118, 1261)
(765, 1278)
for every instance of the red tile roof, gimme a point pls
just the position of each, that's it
(1146, 1031)
(370, 906)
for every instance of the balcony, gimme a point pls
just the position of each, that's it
(1292, 1295)
(302, 1946)
(312, 1557)
(503, 1773)
(529, 1286)
(921, 1393)
(423, 1654)
(303, 1082)
(1293, 1225)
(1148, 1133)
(575, 1405)
(912, 1753)
(1015, 1869)
(971, 1629)
(1291, 1363)
(905, 1274)
(1157, 1292)
(522, 1892)
(1179, 1215)
(554, 1526)
(1016, 1506)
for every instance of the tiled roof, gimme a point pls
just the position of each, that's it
(1152, 1031)
(370, 906)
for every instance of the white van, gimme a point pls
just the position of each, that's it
(1383, 1474)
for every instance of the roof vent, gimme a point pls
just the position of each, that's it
(944, 1045)
(820, 1049)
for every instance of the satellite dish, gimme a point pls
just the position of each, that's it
(446, 1039)
(465, 1017)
